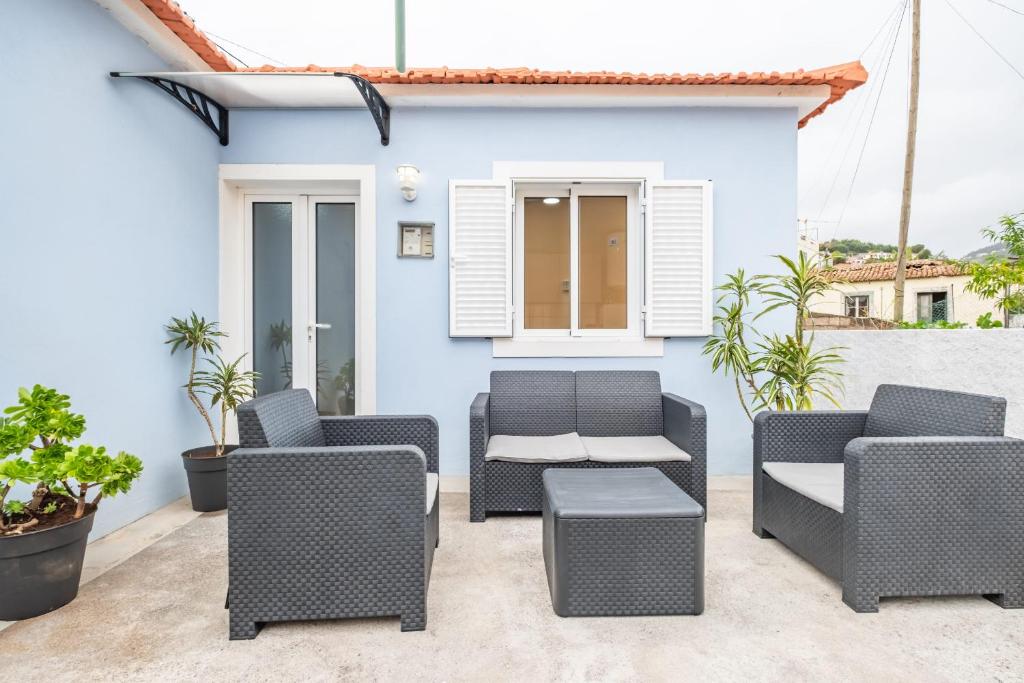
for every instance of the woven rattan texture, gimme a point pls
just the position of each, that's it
(811, 530)
(915, 411)
(478, 435)
(364, 556)
(532, 402)
(808, 436)
(934, 516)
(284, 418)
(385, 430)
(618, 403)
(619, 567)
(498, 486)
(686, 425)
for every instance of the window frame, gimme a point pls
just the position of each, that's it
(852, 295)
(931, 291)
(574, 189)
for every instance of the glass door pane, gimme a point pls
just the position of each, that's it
(335, 296)
(546, 263)
(272, 295)
(603, 263)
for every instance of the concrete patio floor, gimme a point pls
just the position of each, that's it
(159, 616)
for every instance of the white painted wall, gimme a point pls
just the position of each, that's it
(978, 361)
(965, 306)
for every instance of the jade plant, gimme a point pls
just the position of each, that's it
(35, 449)
(226, 385)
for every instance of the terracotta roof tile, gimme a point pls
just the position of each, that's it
(840, 78)
(182, 26)
(886, 270)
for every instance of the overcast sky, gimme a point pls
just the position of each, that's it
(970, 159)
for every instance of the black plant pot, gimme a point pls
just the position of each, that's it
(40, 570)
(207, 478)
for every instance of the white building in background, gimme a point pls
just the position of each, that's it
(935, 290)
(808, 244)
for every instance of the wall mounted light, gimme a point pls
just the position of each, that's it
(408, 178)
(551, 200)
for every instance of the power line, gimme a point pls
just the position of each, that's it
(247, 49)
(887, 46)
(1012, 9)
(860, 157)
(821, 174)
(990, 45)
(234, 57)
(881, 28)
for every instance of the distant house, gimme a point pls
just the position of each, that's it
(935, 290)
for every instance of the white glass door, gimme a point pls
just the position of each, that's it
(302, 296)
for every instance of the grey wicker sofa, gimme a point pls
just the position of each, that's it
(919, 495)
(329, 517)
(592, 405)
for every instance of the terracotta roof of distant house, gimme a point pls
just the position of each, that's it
(886, 270)
(840, 78)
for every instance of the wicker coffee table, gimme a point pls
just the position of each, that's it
(621, 542)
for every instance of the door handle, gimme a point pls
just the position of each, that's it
(319, 326)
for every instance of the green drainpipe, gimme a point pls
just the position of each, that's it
(400, 35)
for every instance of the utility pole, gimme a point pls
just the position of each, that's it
(908, 165)
(400, 36)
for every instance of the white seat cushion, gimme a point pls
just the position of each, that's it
(432, 484)
(558, 448)
(633, 449)
(822, 482)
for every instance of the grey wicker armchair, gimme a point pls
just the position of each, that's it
(329, 517)
(621, 418)
(920, 495)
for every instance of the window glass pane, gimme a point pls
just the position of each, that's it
(272, 295)
(939, 309)
(924, 307)
(602, 263)
(336, 306)
(546, 263)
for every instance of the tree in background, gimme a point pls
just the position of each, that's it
(1001, 276)
(841, 249)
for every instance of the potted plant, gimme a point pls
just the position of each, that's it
(42, 541)
(224, 385)
(772, 371)
(345, 385)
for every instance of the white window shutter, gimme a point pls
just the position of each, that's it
(677, 259)
(479, 258)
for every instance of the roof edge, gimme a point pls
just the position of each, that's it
(840, 78)
(182, 25)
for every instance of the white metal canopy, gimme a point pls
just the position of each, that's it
(211, 94)
(268, 90)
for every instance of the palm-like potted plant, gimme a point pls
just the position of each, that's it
(224, 386)
(772, 371)
(42, 540)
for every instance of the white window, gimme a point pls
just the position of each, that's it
(577, 260)
(592, 263)
(858, 305)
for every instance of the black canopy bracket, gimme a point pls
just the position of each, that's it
(379, 109)
(196, 102)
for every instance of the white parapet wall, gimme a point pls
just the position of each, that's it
(978, 361)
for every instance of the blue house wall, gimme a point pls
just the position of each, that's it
(750, 154)
(108, 227)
